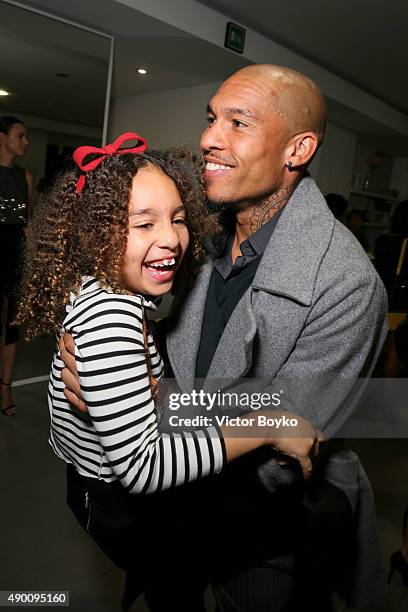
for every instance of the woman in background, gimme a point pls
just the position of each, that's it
(16, 186)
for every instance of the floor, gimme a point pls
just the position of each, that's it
(42, 548)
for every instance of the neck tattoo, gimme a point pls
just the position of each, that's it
(261, 213)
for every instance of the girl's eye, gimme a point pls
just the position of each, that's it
(180, 221)
(143, 226)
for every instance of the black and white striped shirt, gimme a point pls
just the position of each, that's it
(122, 440)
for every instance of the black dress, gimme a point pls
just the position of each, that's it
(13, 218)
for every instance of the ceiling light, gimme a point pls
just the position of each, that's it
(142, 71)
(3, 92)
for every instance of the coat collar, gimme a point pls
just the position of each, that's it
(291, 261)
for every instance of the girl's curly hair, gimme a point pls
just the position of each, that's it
(73, 235)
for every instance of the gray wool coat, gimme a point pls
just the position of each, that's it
(312, 323)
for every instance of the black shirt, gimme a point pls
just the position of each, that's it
(228, 284)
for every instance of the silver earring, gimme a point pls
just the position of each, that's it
(289, 165)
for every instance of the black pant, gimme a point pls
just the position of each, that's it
(118, 522)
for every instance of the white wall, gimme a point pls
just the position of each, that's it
(178, 117)
(165, 118)
(34, 161)
(337, 157)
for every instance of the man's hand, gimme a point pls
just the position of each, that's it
(300, 443)
(69, 374)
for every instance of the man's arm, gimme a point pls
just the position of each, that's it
(336, 352)
(69, 374)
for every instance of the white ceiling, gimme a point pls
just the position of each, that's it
(172, 62)
(363, 41)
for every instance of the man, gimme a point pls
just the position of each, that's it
(289, 299)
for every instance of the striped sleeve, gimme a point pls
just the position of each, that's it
(115, 384)
(156, 362)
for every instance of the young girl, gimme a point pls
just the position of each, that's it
(105, 244)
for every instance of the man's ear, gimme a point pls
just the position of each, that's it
(301, 149)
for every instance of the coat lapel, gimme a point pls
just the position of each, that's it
(233, 357)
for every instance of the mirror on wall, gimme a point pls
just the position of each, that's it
(57, 79)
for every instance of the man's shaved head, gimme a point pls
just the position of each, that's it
(291, 94)
(265, 124)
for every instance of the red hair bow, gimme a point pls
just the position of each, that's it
(81, 153)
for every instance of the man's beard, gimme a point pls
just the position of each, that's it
(220, 206)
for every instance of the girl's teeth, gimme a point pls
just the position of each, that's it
(165, 262)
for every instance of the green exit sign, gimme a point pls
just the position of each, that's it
(235, 37)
